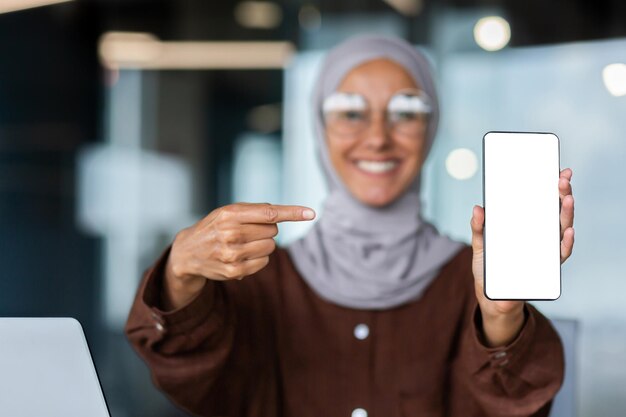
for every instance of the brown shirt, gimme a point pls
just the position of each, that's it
(268, 346)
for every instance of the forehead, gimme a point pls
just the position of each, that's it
(377, 79)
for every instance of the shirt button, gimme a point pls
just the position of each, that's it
(361, 331)
(159, 327)
(359, 412)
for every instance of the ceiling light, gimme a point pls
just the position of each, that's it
(614, 77)
(145, 51)
(7, 6)
(258, 14)
(492, 33)
(406, 7)
(309, 17)
(117, 48)
(265, 119)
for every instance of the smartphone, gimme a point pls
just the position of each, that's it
(522, 235)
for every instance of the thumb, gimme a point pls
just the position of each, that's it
(477, 222)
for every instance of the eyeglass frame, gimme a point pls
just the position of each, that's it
(389, 125)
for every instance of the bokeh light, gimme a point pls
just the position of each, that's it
(492, 33)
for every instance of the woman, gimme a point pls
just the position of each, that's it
(373, 312)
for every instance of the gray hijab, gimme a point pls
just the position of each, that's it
(359, 256)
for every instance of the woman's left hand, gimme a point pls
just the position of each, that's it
(503, 320)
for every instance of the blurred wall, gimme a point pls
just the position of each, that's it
(49, 107)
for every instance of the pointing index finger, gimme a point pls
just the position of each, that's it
(275, 213)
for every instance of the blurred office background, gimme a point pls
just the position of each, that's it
(122, 121)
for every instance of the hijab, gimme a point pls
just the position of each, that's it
(360, 256)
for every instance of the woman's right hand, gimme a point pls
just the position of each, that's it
(232, 242)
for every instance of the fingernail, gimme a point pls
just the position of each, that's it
(308, 214)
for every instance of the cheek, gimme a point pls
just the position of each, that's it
(412, 151)
(338, 151)
(413, 162)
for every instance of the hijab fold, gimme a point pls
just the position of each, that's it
(364, 257)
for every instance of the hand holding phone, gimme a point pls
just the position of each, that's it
(502, 320)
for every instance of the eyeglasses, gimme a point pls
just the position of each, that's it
(347, 114)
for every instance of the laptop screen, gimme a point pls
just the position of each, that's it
(46, 370)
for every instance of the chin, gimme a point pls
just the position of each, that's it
(377, 201)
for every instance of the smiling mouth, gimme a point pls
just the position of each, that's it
(377, 167)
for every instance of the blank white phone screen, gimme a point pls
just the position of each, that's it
(522, 230)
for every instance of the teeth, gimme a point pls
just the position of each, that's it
(376, 167)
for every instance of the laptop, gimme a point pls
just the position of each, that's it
(46, 370)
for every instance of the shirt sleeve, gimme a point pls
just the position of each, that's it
(519, 379)
(196, 354)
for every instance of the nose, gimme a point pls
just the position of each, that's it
(377, 136)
